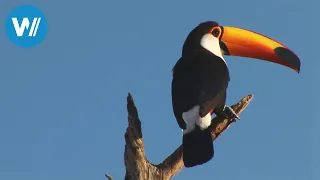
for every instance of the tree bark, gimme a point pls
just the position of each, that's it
(137, 165)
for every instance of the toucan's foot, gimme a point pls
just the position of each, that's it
(229, 113)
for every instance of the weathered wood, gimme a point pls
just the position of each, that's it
(137, 165)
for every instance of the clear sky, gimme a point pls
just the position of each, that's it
(63, 104)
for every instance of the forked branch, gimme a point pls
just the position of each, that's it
(137, 165)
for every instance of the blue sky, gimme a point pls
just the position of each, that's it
(63, 103)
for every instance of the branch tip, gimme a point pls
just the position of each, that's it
(108, 177)
(129, 97)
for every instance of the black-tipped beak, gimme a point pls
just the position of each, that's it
(245, 43)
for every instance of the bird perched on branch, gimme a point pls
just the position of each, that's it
(201, 77)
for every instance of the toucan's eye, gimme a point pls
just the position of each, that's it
(216, 32)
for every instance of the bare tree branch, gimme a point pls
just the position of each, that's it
(137, 165)
(108, 177)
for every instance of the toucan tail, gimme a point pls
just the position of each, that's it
(197, 147)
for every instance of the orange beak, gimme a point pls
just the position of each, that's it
(245, 43)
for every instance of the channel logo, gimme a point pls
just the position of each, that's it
(26, 26)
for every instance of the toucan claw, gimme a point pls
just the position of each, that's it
(230, 114)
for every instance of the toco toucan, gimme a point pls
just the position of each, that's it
(201, 77)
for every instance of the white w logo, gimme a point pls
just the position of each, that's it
(25, 25)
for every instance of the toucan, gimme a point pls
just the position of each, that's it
(201, 76)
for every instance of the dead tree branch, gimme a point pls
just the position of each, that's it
(137, 165)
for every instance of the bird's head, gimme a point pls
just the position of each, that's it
(233, 41)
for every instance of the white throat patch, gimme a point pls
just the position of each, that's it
(211, 43)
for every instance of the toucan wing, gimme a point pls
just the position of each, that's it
(198, 79)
